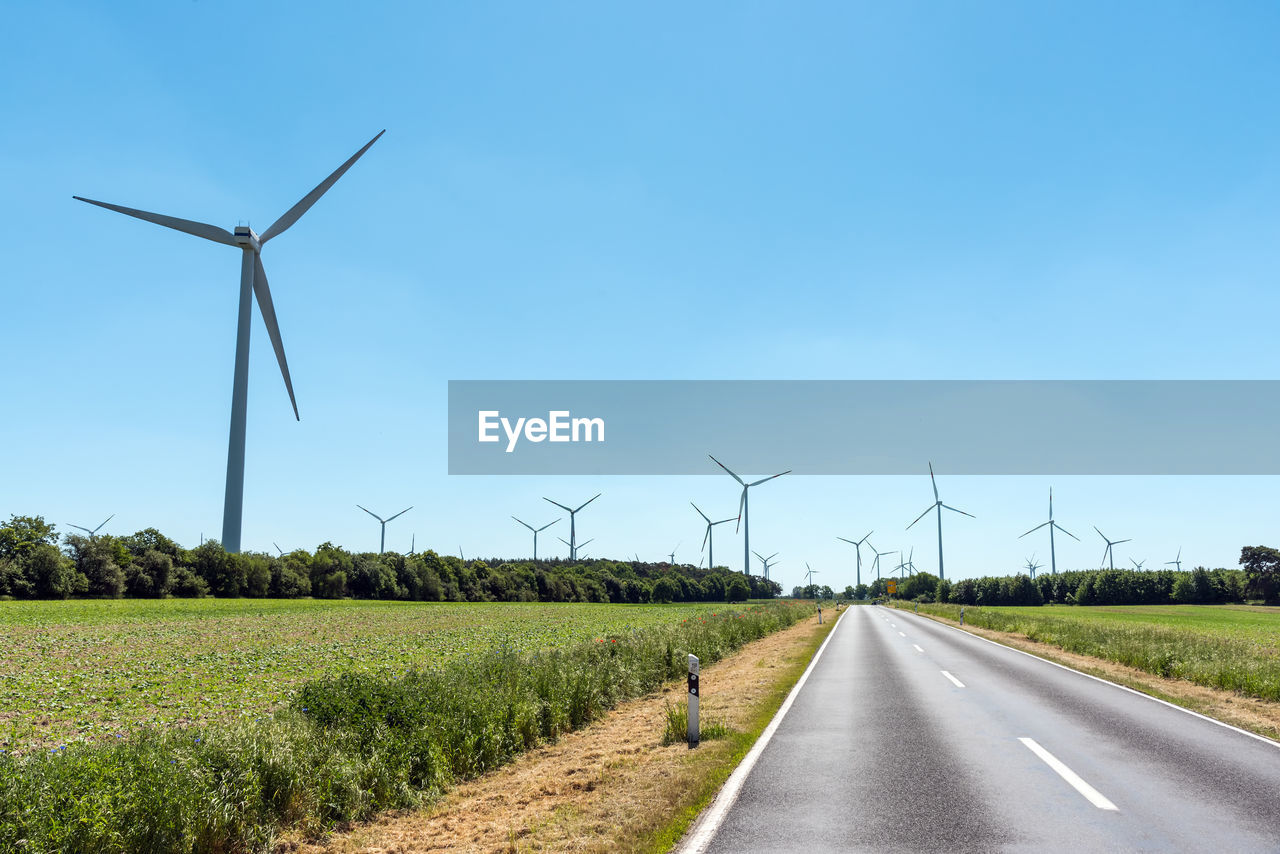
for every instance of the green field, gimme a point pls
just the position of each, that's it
(1231, 647)
(83, 670)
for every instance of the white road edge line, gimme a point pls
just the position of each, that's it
(1091, 794)
(917, 647)
(904, 634)
(1223, 724)
(704, 831)
(954, 680)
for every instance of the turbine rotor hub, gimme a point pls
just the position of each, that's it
(248, 238)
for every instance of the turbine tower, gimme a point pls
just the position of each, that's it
(744, 520)
(92, 533)
(535, 533)
(1053, 555)
(706, 540)
(382, 543)
(1108, 553)
(1032, 566)
(1176, 561)
(573, 528)
(858, 545)
(765, 563)
(938, 505)
(252, 278)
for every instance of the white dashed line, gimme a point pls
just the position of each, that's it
(904, 634)
(954, 680)
(917, 647)
(1091, 794)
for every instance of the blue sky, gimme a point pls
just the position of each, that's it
(844, 190)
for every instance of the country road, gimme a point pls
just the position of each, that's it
(909, 735)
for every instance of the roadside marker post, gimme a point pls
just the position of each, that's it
(819, 615)
(694, 735)
(962, 615)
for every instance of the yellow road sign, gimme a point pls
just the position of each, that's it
(893, 585)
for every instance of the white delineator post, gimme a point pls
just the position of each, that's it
(693, 733)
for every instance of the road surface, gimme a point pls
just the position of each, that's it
(909, 735)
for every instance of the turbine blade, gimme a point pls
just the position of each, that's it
(526, 524)
(112, 516)
(371, 513)
(548, 525)
(1100, 534)
(1065, 531)
(770, 477)
(726, 468)
(741, 501)
(955, 510)
(1036, 528)
(722, 521)
(918, 518)
(558, 504)
(1118, 542)
(262, 291)
(850, 542)
(585, 503)
(402, 512)
(188, 226)
(294, 213)
(934, 481)
(706, 537)
(700, 513)
(864, 539)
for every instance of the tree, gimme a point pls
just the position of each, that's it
(52, 574)
(23, 533)
(665, 590)
(150, 574)
(95, 559)
(1262, 572)
(737, 590)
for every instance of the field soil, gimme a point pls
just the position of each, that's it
(609, 787)
(1259, 716)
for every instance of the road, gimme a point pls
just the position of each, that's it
(908, 735)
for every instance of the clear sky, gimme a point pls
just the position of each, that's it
(688, 191)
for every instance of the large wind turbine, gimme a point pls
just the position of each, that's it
(535, 533)
(744, 521)
(1053, 555)
(92, 533)
(1107, 553)
(858, 546)
(252, 278)
(382, 543)
(938, 505)
(1176, 561)
(573, 528)
(706, 541)
(765, 563)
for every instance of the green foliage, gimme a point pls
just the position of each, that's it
(348, 745)
(1102, 587)
(1262, 572)
(22, 533)
(675, 729)
(1231, 647)
(737, 589)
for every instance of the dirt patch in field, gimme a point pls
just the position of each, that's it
(1249, 713)
(603, 788)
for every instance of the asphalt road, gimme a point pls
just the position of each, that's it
(913, 736)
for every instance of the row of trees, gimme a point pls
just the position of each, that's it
(35, 562)
(1258, 578)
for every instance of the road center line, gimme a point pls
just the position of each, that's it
(904, 634)
(917, 647)
(954, 680)
(1091, 794)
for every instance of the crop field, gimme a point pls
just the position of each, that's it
(1231, 647)
(85, 670)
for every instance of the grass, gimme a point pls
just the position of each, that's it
(87, 670)
(1227, 647)
(676, 728)
(349, 744)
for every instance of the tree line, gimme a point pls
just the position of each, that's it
(38, 563)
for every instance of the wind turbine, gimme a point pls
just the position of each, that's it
(911, 564)
(535, 533)
(858, 546)
(1032, 566)
(574, 549)
(1107, 553)
(95, 531)
(1176, 561)
(573, 529)
(706, 540)
(744, 520)
(811, 573)
(1137, 564)
(1053, 555)
(252, 278)
(413, 544)
(876, 562)
(901, 568)
(278, 549)
(673, 555)
(382, 544)
(765, 563)
(938, 505)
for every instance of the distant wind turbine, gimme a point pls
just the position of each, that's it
(1176, 561)
(765, 563)
(938, 505)
(673, 555)
(706, 540)
(1053, 555)
(1108, 553)
(810, 574)
(253, 278)
(1032, 566)
(575, 548)
(278, 549)
(573, 527)
(858, 546)
(744, 519)
(535, 533)
(876, 563)
(1137, 564)
(413, 543)
(911, 564)
(382, 543)
(93, 533)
